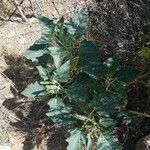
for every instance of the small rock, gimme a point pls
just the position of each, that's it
(5, 147)
(143, 143)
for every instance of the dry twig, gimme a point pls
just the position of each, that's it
(140, 114)
(20, 11)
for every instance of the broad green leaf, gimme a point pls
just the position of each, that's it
(62, 74)
(88, 53)
(58, 55)
(71, 28)
(107, 141)
(60, 21)
(106, 102)
(78, 23)
(127, 74)
(59, 113)
(34, 55)
(79, 90)
(80, 19)
(47, 26)
(77, 140)
(77, 93)
(107, 122)
(56, 103)
(95, 72)
(37, 52)
(125, 117)
(43, 72)
(34, 90)
(120, 89)
(88, 48)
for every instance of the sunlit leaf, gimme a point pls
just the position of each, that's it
(107, 122)
(47, 27)
(34, 90)
(59, 113)
(62, 74)
(78, 23)
(43, 72)
(58, 55)
(107, 141)
(34, 55)
(77, 140)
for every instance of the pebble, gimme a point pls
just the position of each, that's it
(5, 147)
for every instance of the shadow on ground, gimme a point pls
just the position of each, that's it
(32, 120)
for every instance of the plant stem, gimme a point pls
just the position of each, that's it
(89, 116)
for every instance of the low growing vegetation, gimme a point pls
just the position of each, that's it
(84, 94)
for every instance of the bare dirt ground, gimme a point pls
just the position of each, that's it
(20, 127)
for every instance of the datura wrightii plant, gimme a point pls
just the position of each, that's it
(84, 94)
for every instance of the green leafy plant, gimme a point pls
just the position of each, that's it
(83, 93)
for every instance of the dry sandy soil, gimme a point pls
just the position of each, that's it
(20, 127)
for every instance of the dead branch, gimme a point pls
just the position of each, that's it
(140, 114)
(20, 11)
(32, 7)
(55, 7)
